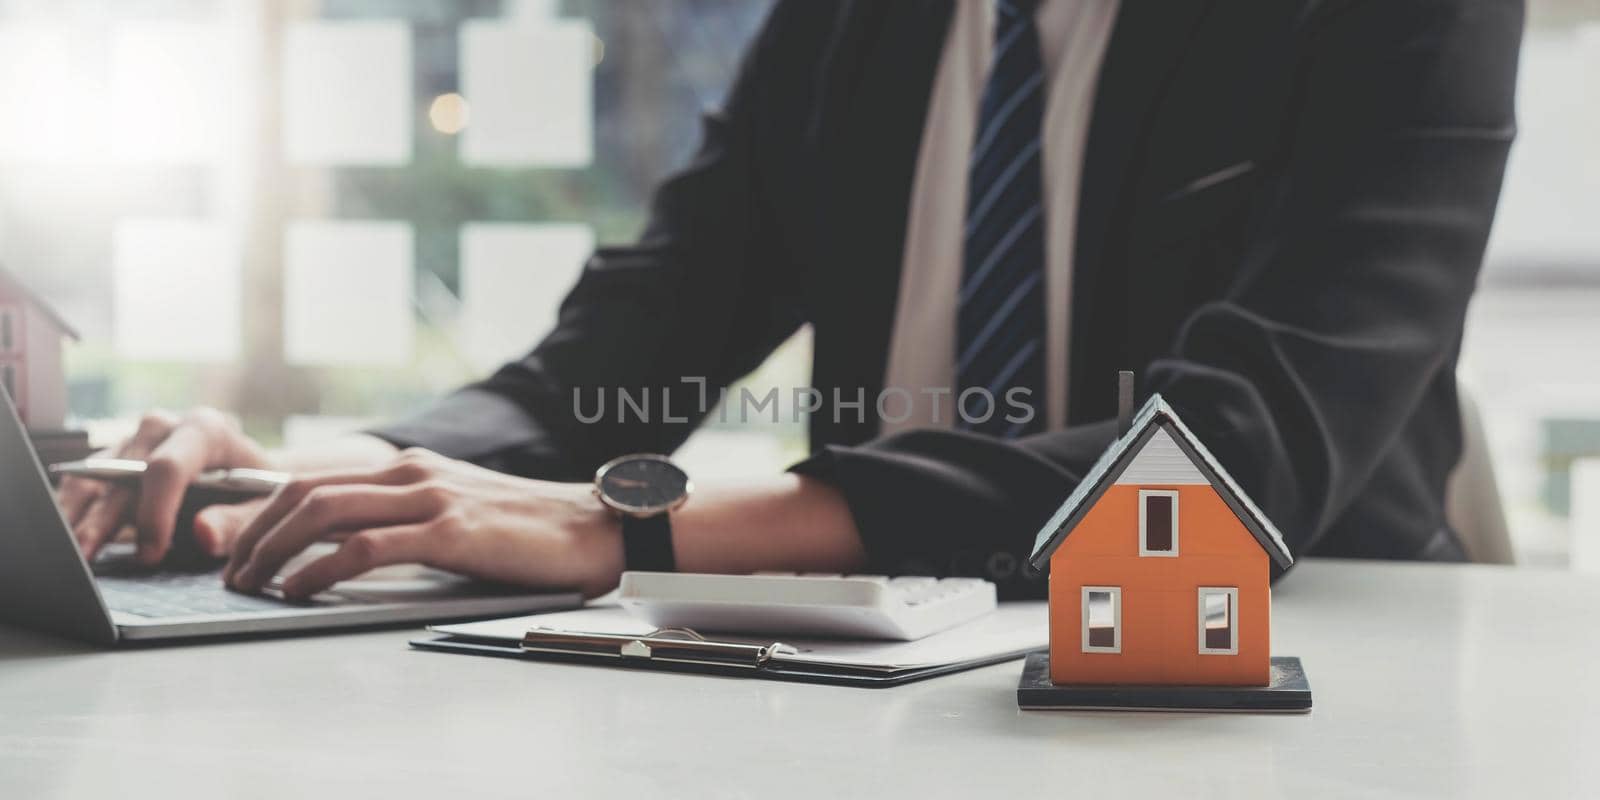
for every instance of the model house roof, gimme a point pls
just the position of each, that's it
(9, 281)
(1154, 419)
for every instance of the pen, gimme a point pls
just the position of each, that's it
(130, 472)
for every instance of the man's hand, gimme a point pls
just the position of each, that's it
(427, 509)
(176, 449)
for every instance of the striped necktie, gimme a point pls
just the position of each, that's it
(1000, 326)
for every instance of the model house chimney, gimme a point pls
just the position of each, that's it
(1124, 402)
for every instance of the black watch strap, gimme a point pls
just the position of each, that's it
(647, 544)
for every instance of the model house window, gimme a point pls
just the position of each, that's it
(1102, 619)
(1219, 621)
(1158, 522)
(8, 379)
(8, 336)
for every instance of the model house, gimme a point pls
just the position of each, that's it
(31, 336)
(1159, 566)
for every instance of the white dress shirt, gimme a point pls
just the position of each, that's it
(1072, 37)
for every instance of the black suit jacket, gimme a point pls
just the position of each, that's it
(1283, 211)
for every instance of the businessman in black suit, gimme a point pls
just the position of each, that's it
(1275, 210)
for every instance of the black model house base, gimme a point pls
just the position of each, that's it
(1288, 693)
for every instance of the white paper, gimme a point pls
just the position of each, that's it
(530, 86)
(176, 290)
(1012, 628)
(513, 278)
(347, 294)
(174, 90)
(347, 93)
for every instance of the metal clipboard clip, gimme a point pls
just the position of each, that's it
(675, 645)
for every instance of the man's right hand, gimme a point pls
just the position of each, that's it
(175, 449)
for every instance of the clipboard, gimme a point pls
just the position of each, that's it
(608, 636)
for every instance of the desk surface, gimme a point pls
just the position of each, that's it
(1429, 680)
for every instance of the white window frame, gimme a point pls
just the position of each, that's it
(1143, 549)
(1233, 620)
(1116, 619)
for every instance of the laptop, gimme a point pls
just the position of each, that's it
(45, 584)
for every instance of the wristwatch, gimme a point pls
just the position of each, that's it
(643, 489)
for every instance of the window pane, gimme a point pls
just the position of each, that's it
(174, 89)
(1102, 619)
(1219, 627)
(347, 93)
(5, 332)
(347, 293)
(8, 377)
(544, 117)
(1158, 522)
(164, 264)
(513, 278)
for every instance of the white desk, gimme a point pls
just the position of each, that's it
(1428, 680)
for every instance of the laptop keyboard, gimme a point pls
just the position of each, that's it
(179, 594)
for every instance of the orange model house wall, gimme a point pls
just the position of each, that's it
(1160, 626)
(1178, 561)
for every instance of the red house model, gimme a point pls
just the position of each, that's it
(1160, 567)
(31, 371)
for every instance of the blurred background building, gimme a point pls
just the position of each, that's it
(315, 213)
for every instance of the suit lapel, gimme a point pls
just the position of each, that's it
(1148, 41)
(877, 78)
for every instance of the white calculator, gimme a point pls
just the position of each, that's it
(808, 604)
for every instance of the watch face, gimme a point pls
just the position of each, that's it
(643, 484)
